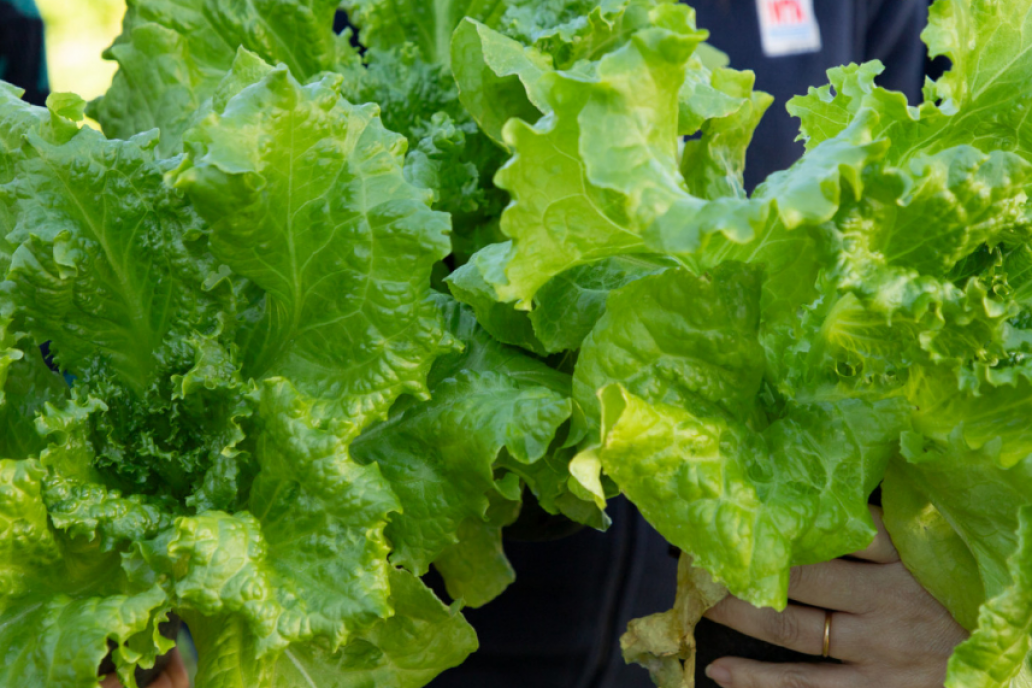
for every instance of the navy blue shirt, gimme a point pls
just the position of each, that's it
(851, 31)
(22, 56)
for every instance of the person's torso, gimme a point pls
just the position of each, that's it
(22, 52)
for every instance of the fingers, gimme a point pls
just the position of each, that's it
(797, 628)
(881, 551)
(177, 672)
(174, 675)
(734, 672)
(111, 682)
(845, 586)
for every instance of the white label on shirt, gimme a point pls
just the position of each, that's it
(788, 27)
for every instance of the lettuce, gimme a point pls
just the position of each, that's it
(322, 318)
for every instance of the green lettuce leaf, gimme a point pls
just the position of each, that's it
(606, 199)
(306, 198)
(172, 55)
(571, 303)
(749, 506)
(569, 31)
(447, 152)
(480, 352)
(18, 119)
(61, 640)
(685, 340)
(999, 648)
(497, 77)
(722, 107)
(974, 103)
(952, 511)
(386, 24)
(475, 569)
(991, 414)
(906, 287)
(405, 651)
(62, 599)
(30, 385)
(565, 310)
(103, 267)
(309, 559)
(470, 284)
(978, 92)
(439, 456)
(227, 636)
(595, 203)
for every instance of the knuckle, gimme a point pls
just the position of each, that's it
(784, 629)
(796, 577)
(719, 611)
(895, 593)
(794, 678)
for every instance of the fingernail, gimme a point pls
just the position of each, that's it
(719, 674)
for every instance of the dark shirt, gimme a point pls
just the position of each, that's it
(22, 55)
(559, 625)
(851, 31)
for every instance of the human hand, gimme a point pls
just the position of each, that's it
(887, 630)
(174, 676)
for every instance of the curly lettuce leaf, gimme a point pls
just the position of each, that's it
(448, 154)
(677, 338)
(18, 119)
(569, 31)
(806, 195)
(309, 488)
(952, 511)
(30, 385)
(173, 54)
(605, 197)
(103, 267)
(114, 269)
(498, 64)
(978, 102)
(385, 24)
(475, 569)
(309, 558)
(61, 640)
(748, 506)
(29, 547)
(998, 650)
(990, 414)
(597, 200)
(497, 77)
(451, 160)
(902, 283)
(407, 650)
(677, 364)
(565, 310)
(480, 352)
(306, 198)
(471, 285)
(722, 107)
(439, 456)
(571, 303)
(988, 46)
(62, 599)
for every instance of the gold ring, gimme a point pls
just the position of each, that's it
(826, 652)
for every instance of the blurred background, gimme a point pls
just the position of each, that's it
(77, 33)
